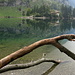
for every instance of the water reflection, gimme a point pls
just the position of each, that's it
(73, 24)
(50, 70)
(35, 28)
(17, 33)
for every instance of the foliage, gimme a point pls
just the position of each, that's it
(9, 11)
(28, 12)
(66, 11)
(40, 11)
(35, 8)
(74, 12)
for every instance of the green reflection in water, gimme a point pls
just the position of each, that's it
(17, 33)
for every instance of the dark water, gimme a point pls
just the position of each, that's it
(17, 33)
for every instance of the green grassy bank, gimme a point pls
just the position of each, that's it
(10, 11)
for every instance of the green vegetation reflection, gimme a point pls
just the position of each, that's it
(17, 33)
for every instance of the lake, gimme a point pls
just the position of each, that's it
(16, 33)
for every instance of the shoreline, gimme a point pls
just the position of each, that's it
(49, 68)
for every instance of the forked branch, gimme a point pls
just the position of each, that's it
(54, 41)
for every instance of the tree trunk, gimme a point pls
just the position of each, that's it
(54, 41)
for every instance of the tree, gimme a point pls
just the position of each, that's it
(35, 9)
(43, 10)
(66, 11)
(23, 13)
(28, 12)
(70, 11)
(74, 12)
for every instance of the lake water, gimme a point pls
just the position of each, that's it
(17, 33)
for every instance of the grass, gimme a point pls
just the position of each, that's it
(10, 11)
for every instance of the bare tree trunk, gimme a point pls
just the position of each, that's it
(54, 41)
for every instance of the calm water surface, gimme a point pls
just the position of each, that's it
(17, 33)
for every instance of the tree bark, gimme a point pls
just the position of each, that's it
(54, 41)
(23, 66)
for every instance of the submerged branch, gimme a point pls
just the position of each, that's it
(23, 66)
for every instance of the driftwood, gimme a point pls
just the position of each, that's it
(53, 41)
(23, 66)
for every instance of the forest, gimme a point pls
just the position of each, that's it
(38, 8)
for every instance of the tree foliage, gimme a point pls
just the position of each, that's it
(74, 12)
(39, 11)
(41, 7)
(66, 11)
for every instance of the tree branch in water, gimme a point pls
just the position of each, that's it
(23, 66)
(53, 41)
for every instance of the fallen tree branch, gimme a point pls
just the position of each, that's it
(53, 41)
(23, 66)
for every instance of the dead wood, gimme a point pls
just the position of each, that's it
(53, 41)
(27, 65)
